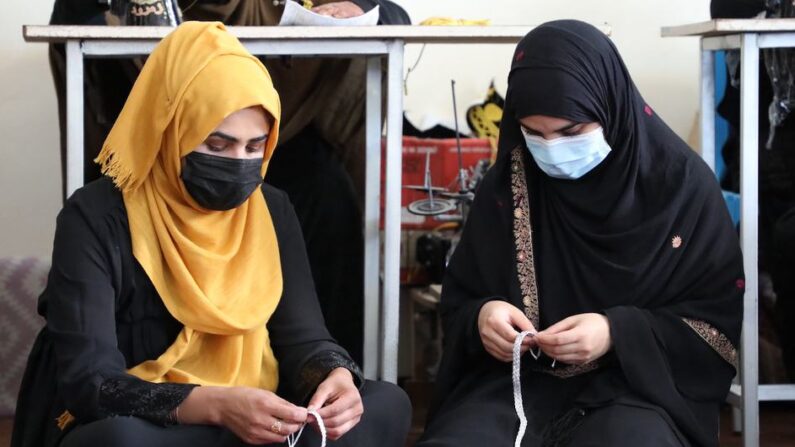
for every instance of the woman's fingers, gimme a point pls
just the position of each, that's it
(342, 418)
(556, 351)
(287, 412)
(337, 432)
(260, 434)
(519, 320)
(547, 339)
(562, 325)
(501, 341)
(343, 403)
(496, 352)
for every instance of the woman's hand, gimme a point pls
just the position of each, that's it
(498, 322)
(578, 339)
(250, 413)
(339, 10)
(338, 402)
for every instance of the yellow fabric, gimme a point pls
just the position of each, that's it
(449, 21)
(218, 272)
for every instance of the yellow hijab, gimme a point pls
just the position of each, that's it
(217, 272)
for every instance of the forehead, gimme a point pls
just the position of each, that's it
(251, 119)
(544, 123)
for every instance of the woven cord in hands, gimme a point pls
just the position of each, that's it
(292, 439)
(517, 383)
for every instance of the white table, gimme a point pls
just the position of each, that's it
(373, 43)
(749, 36)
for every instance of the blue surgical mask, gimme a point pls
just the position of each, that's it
(568, 157)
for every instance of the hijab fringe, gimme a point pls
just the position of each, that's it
(111, 166)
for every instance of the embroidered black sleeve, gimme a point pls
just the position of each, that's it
(155, 402)
(318, 367)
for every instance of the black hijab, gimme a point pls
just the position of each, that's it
(644, 238)
(607, 239)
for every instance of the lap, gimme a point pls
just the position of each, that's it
(486, 416)
(385, 422)
(626, 425)
(131, 431)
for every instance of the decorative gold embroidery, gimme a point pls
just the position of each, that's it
(64, 420)
(523, 238)
(717, 341)
(525, 263)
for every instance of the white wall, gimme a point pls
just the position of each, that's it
(666, 71)
(30, 183)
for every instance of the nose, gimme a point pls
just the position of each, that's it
(239, 151)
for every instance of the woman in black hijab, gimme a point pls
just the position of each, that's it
(599, 228)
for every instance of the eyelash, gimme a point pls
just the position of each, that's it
(568, 133)
(249, 149)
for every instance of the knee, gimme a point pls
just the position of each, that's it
(387, 405)
(624, 425)
(115, 431)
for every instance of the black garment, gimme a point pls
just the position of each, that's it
(105, 316)
(776, 180)
(736, 9)
(339, 284)
(107, 82)
(325, 201)
(385, 422)
(644, 238)
(486, 417)
(782, 260)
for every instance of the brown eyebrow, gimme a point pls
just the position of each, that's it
(232, 139)
(567, 127)
(561, 130)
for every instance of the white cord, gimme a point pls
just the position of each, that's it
(517, 383)
(292, 439)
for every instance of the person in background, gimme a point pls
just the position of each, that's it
(776, 171)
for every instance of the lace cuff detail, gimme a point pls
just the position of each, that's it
(155, 402)
(716, 340)
(318, 367)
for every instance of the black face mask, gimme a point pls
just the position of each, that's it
(220, 183)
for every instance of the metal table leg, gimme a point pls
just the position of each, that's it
(372, 212)
(74, 116)
(708, 107)
(749, 232)
(390, 309)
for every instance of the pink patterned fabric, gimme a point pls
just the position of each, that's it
(21, 282)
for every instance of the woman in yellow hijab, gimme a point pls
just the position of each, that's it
(180, 294)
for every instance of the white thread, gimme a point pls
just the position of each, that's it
(292, 439)
(517, 383)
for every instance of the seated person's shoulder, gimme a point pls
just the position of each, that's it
(95, 200)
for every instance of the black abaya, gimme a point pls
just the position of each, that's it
(644, 239)
(385, 422)
(105, 316)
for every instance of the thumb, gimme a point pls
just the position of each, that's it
(520, 321)
(319, 398)
(560, 326)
